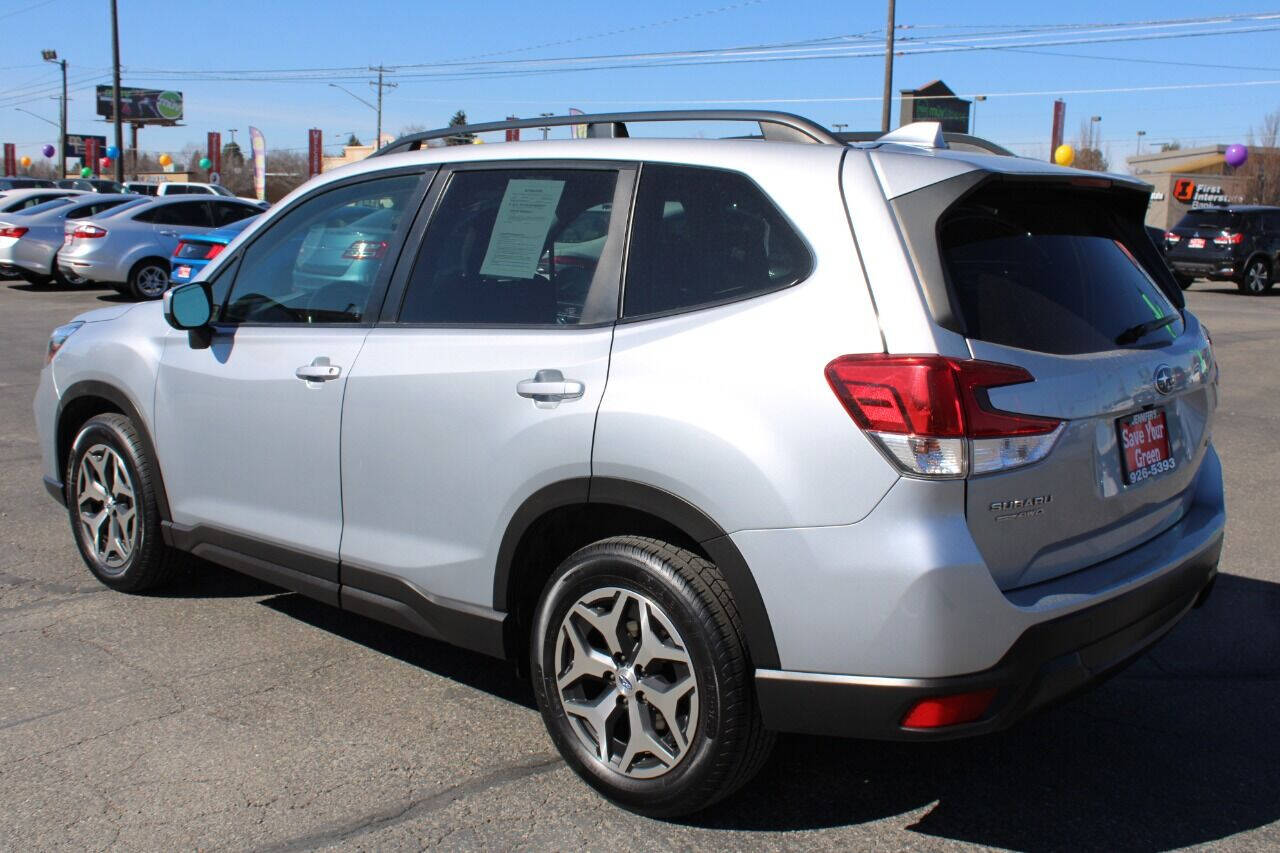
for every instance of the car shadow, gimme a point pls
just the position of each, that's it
(1232, 290)
(1180, 749)
(114, 297)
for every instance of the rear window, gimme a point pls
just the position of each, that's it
(1209, 219)
(1048, 270)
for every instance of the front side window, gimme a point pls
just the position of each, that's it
(706, 236)
(318, 262)
(516, 247)
(191, 214)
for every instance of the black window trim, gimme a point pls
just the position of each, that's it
(426, 173)
(715, 303)
(615, 242)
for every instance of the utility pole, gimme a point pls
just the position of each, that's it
(886, 107)
(377, 141)
(545, 130)
(52, 56)
(115, 91)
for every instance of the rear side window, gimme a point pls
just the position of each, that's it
(224, 213)
(705, 236)
(516, 247)
(193, 214)
(1048, 270)
(1215, 219)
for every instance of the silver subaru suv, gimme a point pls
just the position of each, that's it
(711, 438)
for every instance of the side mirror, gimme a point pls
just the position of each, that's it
(188, 306)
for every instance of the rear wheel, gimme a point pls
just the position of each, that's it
(1257, 278)
(111, 502)
(149, 279)
(642, 676)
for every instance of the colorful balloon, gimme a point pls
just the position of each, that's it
(48, 151)
(1065, 155)
(104, 162)
(165, 160)
(113, 152)
(25, 161)
(1236, 155)
(86, 172)
(206, 163)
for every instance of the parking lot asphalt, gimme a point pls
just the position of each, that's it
(224, 713)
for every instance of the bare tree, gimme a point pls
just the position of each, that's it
(1089, 153)
(1262, 170)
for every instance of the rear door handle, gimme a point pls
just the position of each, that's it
(550, 386)
(319, 370)
(168, 233)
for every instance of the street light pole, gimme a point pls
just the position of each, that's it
(52, 56)
(1141, 134)
(977, 99)
(886, 106)
(545, 130)
(367, 104)
(115, 91)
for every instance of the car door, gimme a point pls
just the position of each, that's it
(482, 385)
(247, 427)
(170, 221)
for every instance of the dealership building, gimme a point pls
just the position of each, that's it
(1187, 178)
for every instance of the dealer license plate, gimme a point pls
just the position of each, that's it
(1144, 446)
(1195, 243)
(183, 271)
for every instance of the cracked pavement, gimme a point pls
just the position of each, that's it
(225, 713)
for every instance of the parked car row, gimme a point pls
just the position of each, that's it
(123, 240)
(1239, 243)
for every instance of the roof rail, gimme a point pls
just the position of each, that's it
(776, 126)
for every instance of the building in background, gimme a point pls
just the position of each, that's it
(1187, 178)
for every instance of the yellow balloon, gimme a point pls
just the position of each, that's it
(1065, 155)
(165, 159)
(26, 161)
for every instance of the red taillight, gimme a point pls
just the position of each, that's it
(1170, 237)
(1228, 239)
(214, 251)
(366, 250)
(951, 710)
(179, 249)
(88, 232)
(932, 417)
(929, 395)
(12, 231)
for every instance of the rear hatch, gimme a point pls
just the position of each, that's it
(1059, 279)
(1202, 239)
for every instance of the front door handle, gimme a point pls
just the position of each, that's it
(319, 370)
(164, 233)
(550, 386)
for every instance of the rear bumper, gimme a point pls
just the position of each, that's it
(1049, 661)
(1216, 268)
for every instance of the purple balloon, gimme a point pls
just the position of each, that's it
(1236, 155)
(48, 150)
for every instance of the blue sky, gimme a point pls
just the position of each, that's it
(232, 34)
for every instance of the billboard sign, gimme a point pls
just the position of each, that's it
(142, 106)
(76, 142)
(935, 102)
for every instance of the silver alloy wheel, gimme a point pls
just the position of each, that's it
(1257, 277)
(626, 682)
(152, 281)
(106, 507)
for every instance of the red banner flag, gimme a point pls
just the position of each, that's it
(215, 154)
(315, 152)
(92, 157)
(10, 160)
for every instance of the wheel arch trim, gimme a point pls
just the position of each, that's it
(121, 400)
(663, 505)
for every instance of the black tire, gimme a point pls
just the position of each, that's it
(729, 744)
(144, 278)
(149, 563)
(1256, 278)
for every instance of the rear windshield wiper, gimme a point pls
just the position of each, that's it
(1140, 331)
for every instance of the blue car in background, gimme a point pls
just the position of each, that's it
(194, 251)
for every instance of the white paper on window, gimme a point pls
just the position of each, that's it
(525, 215)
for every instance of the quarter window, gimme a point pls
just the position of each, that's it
(705, 236)
(516, 247)
(318, 263)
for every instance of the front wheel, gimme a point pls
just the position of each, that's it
(149, 280)
(641, 673)
(111, 501)
(1257, 278)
